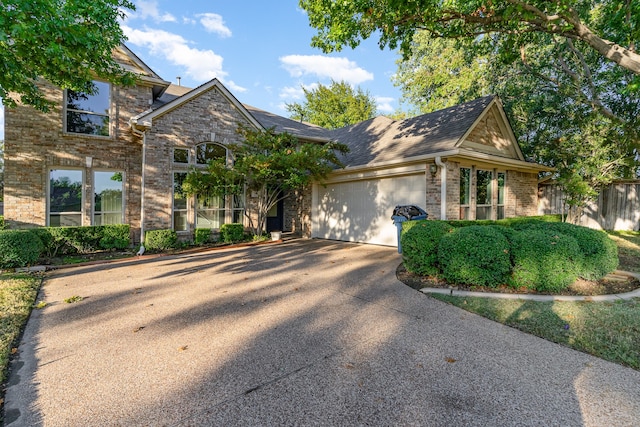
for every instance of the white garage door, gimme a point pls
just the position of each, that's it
(360, 211)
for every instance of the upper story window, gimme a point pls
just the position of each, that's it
(89, 113)
(210, 151)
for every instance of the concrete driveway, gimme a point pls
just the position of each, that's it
(302, 333)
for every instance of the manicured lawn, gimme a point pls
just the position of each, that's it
(609, 330)
(628, 249)
(17, 296)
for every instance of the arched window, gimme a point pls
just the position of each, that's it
(208, 151)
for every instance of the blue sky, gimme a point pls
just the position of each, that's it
(261, 50)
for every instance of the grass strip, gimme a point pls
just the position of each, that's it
(628, 249)
(609, 330)
(17, 296)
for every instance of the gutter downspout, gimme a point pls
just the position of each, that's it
(443, 187)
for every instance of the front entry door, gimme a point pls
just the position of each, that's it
(275, 217)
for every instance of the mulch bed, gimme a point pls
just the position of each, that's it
(581, 287)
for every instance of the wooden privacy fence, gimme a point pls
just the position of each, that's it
(617, 207)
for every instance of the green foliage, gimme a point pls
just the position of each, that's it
(202, 236)
(230, 233)
(507, 222)
(17, 294)
(440, 73)
(73, 240)
(599, 252)
(160, 240)
(268, 164)
(19, 248)
(65, 42)
(419, 241)
(395, 22)
(544, 260)
(334, 106)
(115, 236)
(475, 255)
(2, 225)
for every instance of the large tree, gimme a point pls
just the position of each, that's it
(570, 107)
(67, 42)
(609, 27)
(267, 164)
(334, 106)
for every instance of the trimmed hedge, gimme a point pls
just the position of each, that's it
(230, 233)
(419, 240)
(475, 255)
(600, 253)
(202, 236)
(19, 248)
(543, 253)
(72, 240)
(160, 240)
(545, 260)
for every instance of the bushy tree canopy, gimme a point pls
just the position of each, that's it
(68, 43)
(609, 27)
(334, 106)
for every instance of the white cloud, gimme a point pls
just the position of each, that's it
(148, 9)
(384, 104)
(337, 69)
(295, 93)
(199, 64)
(213, 23)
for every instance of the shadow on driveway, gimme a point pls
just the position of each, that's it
(304, 333)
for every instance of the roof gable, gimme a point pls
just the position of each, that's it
(145, 120)
(491, 133)
(383, 140)
(130, 62)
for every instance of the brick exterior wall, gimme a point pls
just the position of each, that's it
(209, 117)
(35, 142)
(521, 198)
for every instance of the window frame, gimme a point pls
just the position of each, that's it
(123, 195)
(108, 114)
(489, 187)
(173, 204)
(465, 208)
(82, 196)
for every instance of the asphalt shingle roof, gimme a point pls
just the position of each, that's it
(383, 140)
(281, 124)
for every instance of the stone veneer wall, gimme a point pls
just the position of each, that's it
(297, 212)
(35, 142)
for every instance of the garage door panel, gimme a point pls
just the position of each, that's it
(360, 211)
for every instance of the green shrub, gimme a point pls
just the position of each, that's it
(202, 236)
(19, 248)
(544, 260)
(73, 240)
(2, 222)
(475, 255)
(116, 236)
(233, 232)
(419, 240)
(600, 253)
(160, 240)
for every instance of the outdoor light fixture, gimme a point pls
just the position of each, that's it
(433, 169)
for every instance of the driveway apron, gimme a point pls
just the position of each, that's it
(307, 332)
